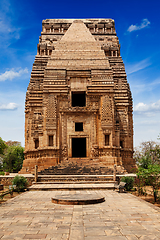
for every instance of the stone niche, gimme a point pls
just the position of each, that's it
(78, 103)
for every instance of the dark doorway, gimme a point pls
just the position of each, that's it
(79, 147)
(121, 144)
(78, 99)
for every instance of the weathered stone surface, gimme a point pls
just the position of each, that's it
(78, 199)
(32, 215)
(78, 102)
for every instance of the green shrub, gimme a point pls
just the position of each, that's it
(129, 182)
(13, 159)
(1, 173)
(20, 182)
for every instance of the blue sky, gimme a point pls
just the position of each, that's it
(137, 26)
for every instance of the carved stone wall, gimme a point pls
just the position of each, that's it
(81, 58)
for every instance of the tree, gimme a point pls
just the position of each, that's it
(147, 153)
(147, 157)
(13, 158)
(2, 146)
(12, 143)
(151, 175)
(145, 161)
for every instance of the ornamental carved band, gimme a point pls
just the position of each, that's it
(107, 112)
(51, 112)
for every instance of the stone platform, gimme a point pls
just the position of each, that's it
(32, 215)
(78, 199)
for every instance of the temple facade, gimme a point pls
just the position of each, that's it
(78, 102)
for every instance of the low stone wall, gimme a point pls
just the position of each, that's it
(7, 180)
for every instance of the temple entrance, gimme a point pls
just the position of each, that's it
(79, 147)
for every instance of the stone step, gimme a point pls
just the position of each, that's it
(74, 182)
(71, 187)
(77, 169)
(75, 178)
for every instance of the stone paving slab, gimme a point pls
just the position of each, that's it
(122, 216)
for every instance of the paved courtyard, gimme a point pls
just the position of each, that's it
(122, 216)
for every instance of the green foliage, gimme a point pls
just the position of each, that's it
(147, 153)
(2, 146)
(20, 182)
(147, 157)
(129, 182)
(1, 166)
(13, 158)
(145, 161)
(1, 173)
(152, 175)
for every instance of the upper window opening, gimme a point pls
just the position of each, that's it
(78, 99)
(78, 127)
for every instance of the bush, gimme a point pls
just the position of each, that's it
(1, 173)
(20, 182)
(129, 182)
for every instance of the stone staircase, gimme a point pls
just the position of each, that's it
(74, 179)
(76, 175)
(81, 168)
(72, 182)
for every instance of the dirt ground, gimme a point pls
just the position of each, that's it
(7, 196)
(148, 196)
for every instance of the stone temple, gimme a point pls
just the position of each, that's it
(78, 103)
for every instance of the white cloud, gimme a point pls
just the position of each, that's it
(10, 74)
(141, 107)
(136, 27)
(147, 108)
(137, 66)
(12, 122)
(9, 106)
